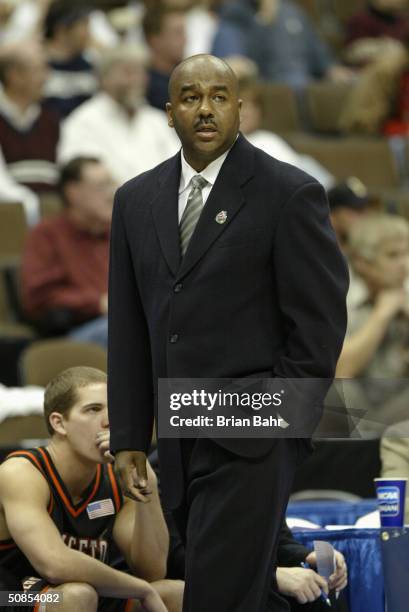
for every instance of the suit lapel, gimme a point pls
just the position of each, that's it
(227, 196)
(165, 213)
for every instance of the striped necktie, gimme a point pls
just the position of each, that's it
(192, 211)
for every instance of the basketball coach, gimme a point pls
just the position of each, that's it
(223, 264)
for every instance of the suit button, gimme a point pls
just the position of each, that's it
(174, 338)
(178, 288)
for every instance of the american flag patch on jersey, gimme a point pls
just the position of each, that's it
(103, 507)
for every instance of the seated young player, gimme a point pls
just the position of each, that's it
(63, 517)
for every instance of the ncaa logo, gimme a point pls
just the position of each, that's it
(389, 500)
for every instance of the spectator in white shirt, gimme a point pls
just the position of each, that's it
(117, 125)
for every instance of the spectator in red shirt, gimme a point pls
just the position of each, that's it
(65, 261)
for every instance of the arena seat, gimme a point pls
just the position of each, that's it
(325, 101)
(344, 9)
(13, 230)
(15, 429)
(9, 325)
(369, 159)
(50, 205)
(44, 359)
(280, 112)
(14, 335)
(311, 7)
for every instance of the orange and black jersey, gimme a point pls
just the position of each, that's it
(86, 526)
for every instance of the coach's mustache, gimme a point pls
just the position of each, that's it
(208, 124)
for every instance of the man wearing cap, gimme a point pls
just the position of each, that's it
(348, 201)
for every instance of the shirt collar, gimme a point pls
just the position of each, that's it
(210, 173)
(20, 120)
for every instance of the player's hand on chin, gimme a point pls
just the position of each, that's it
(103, 446)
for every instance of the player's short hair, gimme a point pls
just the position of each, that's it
(61, 393)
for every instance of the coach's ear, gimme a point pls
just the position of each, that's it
(57, 423)
(169, 114)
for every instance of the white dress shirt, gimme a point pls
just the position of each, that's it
(210, 173)
(127, 145)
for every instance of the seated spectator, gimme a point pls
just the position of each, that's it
(375, 349)
(279, 37)
(375, 29)
(117, 125)
(29, 131)
(64, 521)
(64, 275)
(395, 456)
(71, 80)
(379, 103)
(164, 30)
(348, 201)
(267, 141)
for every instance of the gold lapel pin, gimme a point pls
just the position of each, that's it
(221, 217)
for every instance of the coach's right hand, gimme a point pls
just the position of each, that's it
(130, 468)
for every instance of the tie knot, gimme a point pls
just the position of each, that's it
(198, 182)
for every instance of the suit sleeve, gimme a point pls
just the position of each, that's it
(312, 282)
(290, 553)
(130, 390)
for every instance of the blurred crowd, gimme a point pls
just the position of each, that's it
(325, 87)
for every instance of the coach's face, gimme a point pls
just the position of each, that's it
(204, 108)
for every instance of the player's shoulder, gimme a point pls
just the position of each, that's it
(17, 473)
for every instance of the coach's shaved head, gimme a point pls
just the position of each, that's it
(196, 64)
(204, 108)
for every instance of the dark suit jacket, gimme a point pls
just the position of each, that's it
(262, 293)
